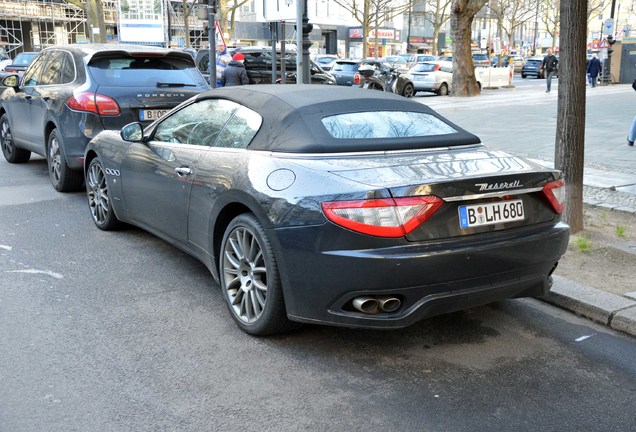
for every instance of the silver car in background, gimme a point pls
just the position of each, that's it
(435, 76)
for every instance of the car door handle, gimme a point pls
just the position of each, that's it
(183, 171)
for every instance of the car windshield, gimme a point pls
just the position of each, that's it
(480, 57)
(423, 67)
(144, 71)
(345, 67)
(385, 124)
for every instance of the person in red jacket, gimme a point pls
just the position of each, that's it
(235, 73)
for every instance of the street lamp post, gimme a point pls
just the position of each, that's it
(306, 44)
(607, 70)
(536, 29)
(212, 7)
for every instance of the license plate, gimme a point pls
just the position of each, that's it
(490, 213)
(154, 114)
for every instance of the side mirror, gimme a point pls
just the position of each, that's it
(12, 81)
(132, 132)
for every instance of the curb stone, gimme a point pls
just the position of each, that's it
(612, 310)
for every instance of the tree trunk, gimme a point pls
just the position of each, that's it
(435, 37)
(462, 13)
(365, 29)
(187, 11)
(570, 130)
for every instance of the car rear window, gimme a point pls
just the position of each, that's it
(324, 60)
(423, 67)
(144, 71)
(385, 124)
(345, 67)
(24, 59)
(480, 57)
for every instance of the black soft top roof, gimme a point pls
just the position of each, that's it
(292, 117)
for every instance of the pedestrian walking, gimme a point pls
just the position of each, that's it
(235, 73)
(222, 59)
(549, 65)
(632, 131)
(594, 69)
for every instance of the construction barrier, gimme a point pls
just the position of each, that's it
(490, 77)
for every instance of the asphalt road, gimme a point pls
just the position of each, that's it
(122, 332)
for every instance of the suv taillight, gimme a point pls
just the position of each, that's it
(356, 78)
(95, 103)
(386, 217)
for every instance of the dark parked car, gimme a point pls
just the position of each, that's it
(332, 205)
(533, 67)
(71, 93)
(481, 60)
(258, 65)
(21, 62)
(345, 71)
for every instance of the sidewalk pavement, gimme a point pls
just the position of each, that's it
(611, 189)
(617, 192)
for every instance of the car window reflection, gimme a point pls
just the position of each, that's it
(210, 122)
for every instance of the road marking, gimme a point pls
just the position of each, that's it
(582, 338)
(5, 247)
(34, 271)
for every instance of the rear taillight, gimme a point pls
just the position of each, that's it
(436, 68)
(95, 103)
(555, 193)
(356, 79)
(386, 217)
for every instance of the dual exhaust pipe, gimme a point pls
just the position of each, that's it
(374, 305)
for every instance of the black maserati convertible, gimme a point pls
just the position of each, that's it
(332, 205)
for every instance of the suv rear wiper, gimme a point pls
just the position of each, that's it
(169, 84)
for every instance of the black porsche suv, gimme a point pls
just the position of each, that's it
(258, 64)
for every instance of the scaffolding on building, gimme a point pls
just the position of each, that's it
(35, 24)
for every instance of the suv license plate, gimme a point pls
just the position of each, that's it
(490, 213)
(148, 115)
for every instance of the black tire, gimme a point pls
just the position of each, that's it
(63, 178)
(374, 86)
(203, 61)
(408, 91)
(523, 76)
(11, 153)
(442, 90)
(249, 278)
(99, 200)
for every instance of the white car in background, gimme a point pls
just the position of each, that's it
(436, 77)
(325, 61)
(5, 60)
(433, 76)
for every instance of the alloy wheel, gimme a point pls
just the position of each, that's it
(245, 275)
(55, 160)
(6, 139)
(98, 198)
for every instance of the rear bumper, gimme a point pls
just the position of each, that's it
(429, 279)
(426, 86)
